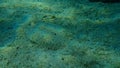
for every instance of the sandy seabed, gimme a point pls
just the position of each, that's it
(59, 34)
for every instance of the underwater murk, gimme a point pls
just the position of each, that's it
(59, 33)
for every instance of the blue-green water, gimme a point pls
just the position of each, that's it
(59, 34)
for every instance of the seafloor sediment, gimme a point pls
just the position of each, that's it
(59, 34)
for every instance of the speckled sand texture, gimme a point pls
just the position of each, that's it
(59, 34)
